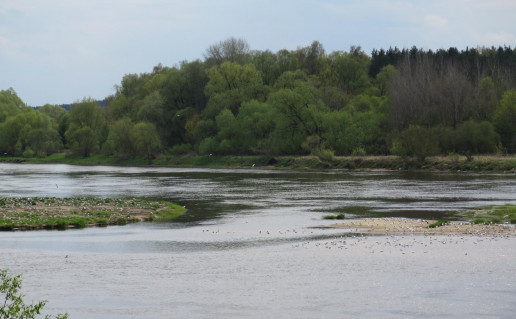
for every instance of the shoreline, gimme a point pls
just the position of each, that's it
(407, 226)
(480, 163)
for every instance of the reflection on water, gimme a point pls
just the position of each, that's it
(248, 247)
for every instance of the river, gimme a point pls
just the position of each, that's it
(249, 246)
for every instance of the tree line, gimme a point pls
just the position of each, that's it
(238, 101)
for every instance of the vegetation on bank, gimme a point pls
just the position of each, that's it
(452, 162)
(305, 102)
(491, 214)
(30, 213)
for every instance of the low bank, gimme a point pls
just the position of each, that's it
(480, 163)
(33, 213)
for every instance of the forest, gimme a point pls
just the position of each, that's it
(238, 101)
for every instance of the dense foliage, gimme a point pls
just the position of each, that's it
(407, 102)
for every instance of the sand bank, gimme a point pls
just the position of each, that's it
(389, 226)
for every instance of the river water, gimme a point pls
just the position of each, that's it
(249, 246)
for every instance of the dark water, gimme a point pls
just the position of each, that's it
(246, 247)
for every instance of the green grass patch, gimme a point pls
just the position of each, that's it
(482, 221)
(79, 212)
(503, 214)
(339, 216)
(171, 211)
(439, 223)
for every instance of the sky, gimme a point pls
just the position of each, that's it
(61, 51)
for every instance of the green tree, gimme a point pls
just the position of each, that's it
(13, 306)
(416, 141)
(384, 77)
(87, 128)
(10, 104)
(231, 84)
(30, 130)
(256, 122)
(122, 138)
(350, 70)
(53, 111)
(505, 120)
(476, 138)
(147, 140)
(297, 117)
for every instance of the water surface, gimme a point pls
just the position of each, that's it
(247, 246)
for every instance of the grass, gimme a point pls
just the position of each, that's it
(339, 216)
(79, 212)
(491, 214)
(452, 162)
(438, 223)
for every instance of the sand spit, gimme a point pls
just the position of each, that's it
(392, 226)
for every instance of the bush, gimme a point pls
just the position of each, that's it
(415, 141)
(325, 155)
(339, 216)
(359, 151)
(180, 149)
(476, 138)
(13, 306)
(439, 223)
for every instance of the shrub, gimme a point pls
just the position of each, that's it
(482, 220)
(325, 155)
(13, 306)
(415, 141)
(79, 222)
(439, 223)
(339, 216)
(359, 151)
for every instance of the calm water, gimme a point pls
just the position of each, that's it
(247, 246)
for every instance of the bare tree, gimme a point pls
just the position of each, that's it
(232, 49)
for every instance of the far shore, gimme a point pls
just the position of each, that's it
(454, 163)
(406, 226)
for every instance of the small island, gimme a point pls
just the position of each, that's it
(493, 221)
(34, 213)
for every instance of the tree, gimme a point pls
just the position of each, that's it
(416, 141)
(87, 128)
(122, 138)
(476, 138)
(30, 130)
(310, 57)
(505, 120)
(13, 306)
(383, 78)
(147, 140)
(230, 85)
(53, 111)
(10, 104)
(232, 49)
(350, 70)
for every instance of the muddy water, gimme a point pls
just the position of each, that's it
(246, 247)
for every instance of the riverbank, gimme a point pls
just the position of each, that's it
(406, 226)
(480, 163)
(24, 213)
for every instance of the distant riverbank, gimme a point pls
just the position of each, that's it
(480, 163)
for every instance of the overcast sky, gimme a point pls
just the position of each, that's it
(60, 51)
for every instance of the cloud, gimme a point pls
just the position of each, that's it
(500, 37)
(435, 21)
